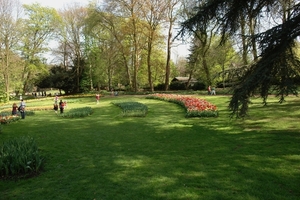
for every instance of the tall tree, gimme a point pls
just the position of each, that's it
(277, 64)
(9, 37)
(171, 19)
(202, 40)
(154, 14)
(73, 38)
(106, 27)
(131, 10)
(39, 26)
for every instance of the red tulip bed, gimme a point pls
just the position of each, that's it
(9, 119)
(195, 107)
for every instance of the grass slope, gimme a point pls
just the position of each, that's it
(163, 155)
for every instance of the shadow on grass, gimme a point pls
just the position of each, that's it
(160, 156)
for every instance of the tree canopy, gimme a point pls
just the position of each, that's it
(277, 65)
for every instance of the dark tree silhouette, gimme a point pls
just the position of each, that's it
(59, 78)
(277, 66)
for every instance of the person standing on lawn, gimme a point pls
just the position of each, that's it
(97, 98)
(22, 108)
(56, 99)
(61, 106)
(55, 107)
(209, 90)
(14, 109)
(213, 91)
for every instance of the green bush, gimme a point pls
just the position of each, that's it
(160, 87)
(176, 85)
(20, 157)
(198, 86)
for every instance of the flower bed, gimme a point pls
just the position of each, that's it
(20, 157)
(77, 112)
(195, 107)
(132, 109)
(8, 119)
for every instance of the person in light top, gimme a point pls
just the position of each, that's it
(22, 108)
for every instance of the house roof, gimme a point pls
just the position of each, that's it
(183, 79)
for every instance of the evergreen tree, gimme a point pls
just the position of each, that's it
(276, 66)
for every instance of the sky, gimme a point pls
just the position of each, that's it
(54, 3)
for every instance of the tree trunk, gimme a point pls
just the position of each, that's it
(206, 70)
(135, 56)
(127, 71)
(169, 43)
(26, 82)
(6, 71)
(252, 25)
(149, 60)
(244, 42)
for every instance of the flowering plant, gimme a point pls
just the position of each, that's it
(9, 119)
(195, 107)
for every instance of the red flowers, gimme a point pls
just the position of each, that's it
(8, 119)
(195, 107)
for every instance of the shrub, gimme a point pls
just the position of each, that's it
(176, 85)
(198, 86)
(20, 157)
(160, 87)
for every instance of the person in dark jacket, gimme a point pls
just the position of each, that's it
(61, 106)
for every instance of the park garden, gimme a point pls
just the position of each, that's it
(152, 147)
(181, 144)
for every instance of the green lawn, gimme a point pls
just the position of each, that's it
(163, 155)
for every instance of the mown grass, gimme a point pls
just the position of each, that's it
(163, 155)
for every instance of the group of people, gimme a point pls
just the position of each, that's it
(211, 90)
(20, 108)
(61, 105)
